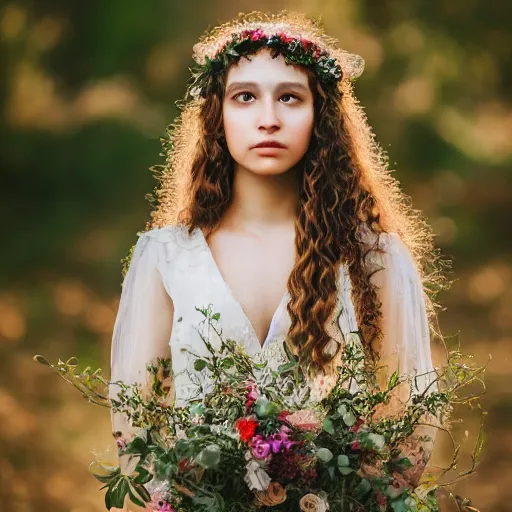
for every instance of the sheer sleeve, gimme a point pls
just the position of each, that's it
(405, 343)
(142, 328)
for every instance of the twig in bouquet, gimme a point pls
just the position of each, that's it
(463, 504)
(93, 386)
(459, 371)
(225, 424)
(474, 458)
(241, 359)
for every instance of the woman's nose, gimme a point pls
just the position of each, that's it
(269, 118)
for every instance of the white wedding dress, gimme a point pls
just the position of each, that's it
(167, 262)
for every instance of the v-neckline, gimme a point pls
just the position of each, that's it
(276, 314)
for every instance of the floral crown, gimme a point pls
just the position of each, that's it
(296, 50)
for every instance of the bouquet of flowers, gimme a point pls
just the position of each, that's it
(277, 439)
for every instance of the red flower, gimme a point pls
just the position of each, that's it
(185, 465)
(246, 427)
(284, 38)
(282, 416)
(355, 445)
(305, 43)
(357, 425)
(381, 499)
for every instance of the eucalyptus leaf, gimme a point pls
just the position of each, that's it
(324, 454)
(377, 440)
(199, 364)
(349, 419)
(328, 425)
(399, 505)
(364, 487)
(209, 457)
(343, 460)
(227, 363)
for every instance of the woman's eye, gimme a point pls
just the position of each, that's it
(243, 95)
(246, 96)
(289, 96)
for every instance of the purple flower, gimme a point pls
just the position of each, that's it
(280, 441)
(276, 441)
(288, 444)
(260, 448)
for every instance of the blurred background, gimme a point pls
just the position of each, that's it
(87, 89)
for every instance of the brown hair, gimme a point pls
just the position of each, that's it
(345, 185)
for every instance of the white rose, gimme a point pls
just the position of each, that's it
(256, 477)
(313, 503)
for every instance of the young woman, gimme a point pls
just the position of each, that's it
(276, 207)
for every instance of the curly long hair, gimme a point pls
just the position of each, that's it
(346, 184)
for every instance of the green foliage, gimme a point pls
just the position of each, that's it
(339, 435)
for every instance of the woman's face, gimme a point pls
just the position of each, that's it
(267, 100)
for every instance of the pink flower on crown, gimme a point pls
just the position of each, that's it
(284, 38)
(257, 34)
(305, 43)
(316, 52)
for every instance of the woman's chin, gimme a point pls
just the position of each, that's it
(269, 168)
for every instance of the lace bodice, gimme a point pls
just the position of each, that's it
(167, 264)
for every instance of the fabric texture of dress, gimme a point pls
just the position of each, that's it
(167, 264)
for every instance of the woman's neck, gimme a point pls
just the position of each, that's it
(262, 202)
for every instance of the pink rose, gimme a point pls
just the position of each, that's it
(304, 420)
(256, 35)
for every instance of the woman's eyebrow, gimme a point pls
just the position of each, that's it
(281, 85)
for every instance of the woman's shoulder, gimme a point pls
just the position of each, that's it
(173, 236)
(385, 248)
(384, 241)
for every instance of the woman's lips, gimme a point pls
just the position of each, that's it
(268, 150)
(270, 144)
